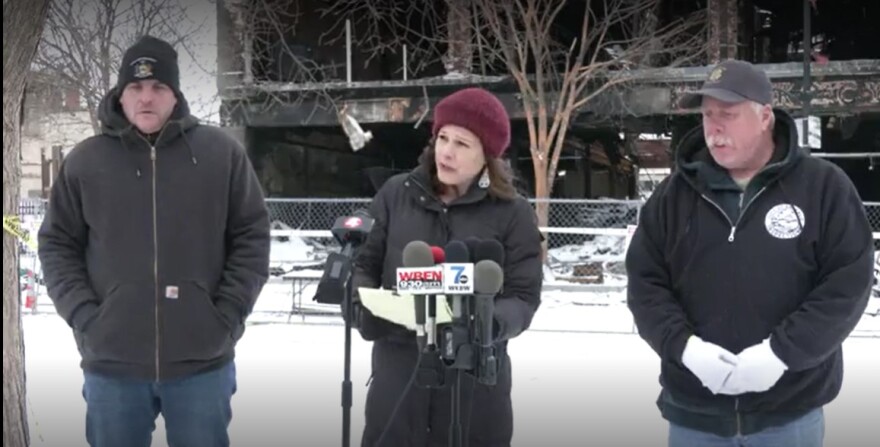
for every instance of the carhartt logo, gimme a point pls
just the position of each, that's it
(172, 292)
(143, 67)
(785, 221)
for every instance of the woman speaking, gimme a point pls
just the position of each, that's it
(461, 189)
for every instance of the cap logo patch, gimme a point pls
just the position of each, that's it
(716, 74)
(143, 67)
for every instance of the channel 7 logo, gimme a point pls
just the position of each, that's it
(458, 279)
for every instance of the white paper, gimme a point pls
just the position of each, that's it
(400, 308)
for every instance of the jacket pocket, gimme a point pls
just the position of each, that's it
(192, 327)
(124, 327)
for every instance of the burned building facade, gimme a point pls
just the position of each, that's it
(289, 71)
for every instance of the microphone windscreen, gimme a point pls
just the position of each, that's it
(490, 249)
(457, 253)
(438, 255)
(362, 212)
(488, 277)
(472, 244)
(417, 254)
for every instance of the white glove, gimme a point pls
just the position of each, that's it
(757, 371)
(711, 363)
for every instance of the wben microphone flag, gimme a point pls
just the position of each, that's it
(420, 280)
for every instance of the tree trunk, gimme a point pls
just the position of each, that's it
(459, 57)
(22, 26)
(542, 197)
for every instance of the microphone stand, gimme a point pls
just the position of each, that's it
(458, 348)
(346, 375)
(336, 281)
(472, 350)
(455, 432)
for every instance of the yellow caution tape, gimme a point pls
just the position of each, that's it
(12, 225)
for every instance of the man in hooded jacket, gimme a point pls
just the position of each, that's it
(155, 247)
(750, 267)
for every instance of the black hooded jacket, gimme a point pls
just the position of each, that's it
(155, 249)
(789, 259)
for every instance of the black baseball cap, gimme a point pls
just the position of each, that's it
(732, 81)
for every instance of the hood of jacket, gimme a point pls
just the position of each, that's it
(696, 164)
(115, 124)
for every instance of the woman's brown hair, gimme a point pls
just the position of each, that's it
(500, 175)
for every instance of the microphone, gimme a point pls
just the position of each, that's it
(458, 273)
(472, 243)
(350, 232)
(439, 257)
(335, 288)
(489, 249)
(438, 254)
(420, 277)
(488, 280)
(353, 229)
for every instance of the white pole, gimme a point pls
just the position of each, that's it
(348, 50)
(404, 63)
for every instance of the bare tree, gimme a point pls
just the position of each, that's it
(22, 24)
(272, 69)
(389, 26)
(84, 40)
(557, 78)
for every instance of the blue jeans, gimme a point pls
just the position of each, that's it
(196, 409)
(807, 431)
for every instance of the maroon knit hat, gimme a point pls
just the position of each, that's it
(480, 112)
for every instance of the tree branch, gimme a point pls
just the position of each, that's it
(556, 79)
(83, 41)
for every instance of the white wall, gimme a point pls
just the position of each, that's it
(63, 129)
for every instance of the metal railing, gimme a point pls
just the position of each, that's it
(586, 241)
(570, 223)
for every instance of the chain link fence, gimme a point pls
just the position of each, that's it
(570, 222)
(873, 211)
(586, 238)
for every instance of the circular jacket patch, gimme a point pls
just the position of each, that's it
(782, 222)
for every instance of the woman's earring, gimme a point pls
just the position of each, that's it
(484, 179)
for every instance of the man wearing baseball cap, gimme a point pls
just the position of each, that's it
(750, 266)
(154, 248)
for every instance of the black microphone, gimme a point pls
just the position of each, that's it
(431, 325)
(335, 288)
(457, 252)
(489, 249)
(472, 244)
(458, 272)
(350, 231)
(488, 280)
(418, 254)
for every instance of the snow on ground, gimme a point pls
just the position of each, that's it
(578, 388)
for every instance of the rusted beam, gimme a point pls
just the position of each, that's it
(839, 88)
(724, 24)
(317, 112)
